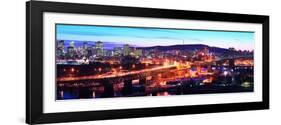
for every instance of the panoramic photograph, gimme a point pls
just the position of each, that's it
(114, 61)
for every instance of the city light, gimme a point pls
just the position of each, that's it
(133, 71)
(72, 70)
(225, 73)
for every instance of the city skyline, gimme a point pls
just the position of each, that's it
(109, 62)
(145, 37)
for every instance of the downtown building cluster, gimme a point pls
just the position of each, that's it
(92, 52)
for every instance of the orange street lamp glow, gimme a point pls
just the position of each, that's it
(72, 69)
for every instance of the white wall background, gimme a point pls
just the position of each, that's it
(12, 64)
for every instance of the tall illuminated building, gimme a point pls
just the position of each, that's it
(138, 52)
(60, 44)
(60, 48)
(99, 48)
(126, 48)
(108, 53)
(85, 49)
(71, 50)
(90, 51)
(85, 45)
(71, 44)
(117, 51)
(132, 51)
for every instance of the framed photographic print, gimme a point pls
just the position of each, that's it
(95, 62)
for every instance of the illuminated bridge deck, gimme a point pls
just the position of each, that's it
(112, 75)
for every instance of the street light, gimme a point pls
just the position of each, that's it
(72, 69)
(225, 73)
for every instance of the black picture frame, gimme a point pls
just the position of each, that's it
(34, 61)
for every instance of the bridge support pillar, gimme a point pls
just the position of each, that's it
(143, 81)
(108, 89)
(128, 87)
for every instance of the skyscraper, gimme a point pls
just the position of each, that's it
(71, 44)
(117, 51)
(85, 45)
(71, 50)
(138, 52)
(90, 51)
(85, 49)
(60, 48)
(126, 50)
(61, 44)
(99, 48)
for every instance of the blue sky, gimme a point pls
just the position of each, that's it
(155, 36)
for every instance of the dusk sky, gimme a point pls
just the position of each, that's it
(144, 37)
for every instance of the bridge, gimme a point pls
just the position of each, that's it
(135, 74)
(85, 84)
(122, 75)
